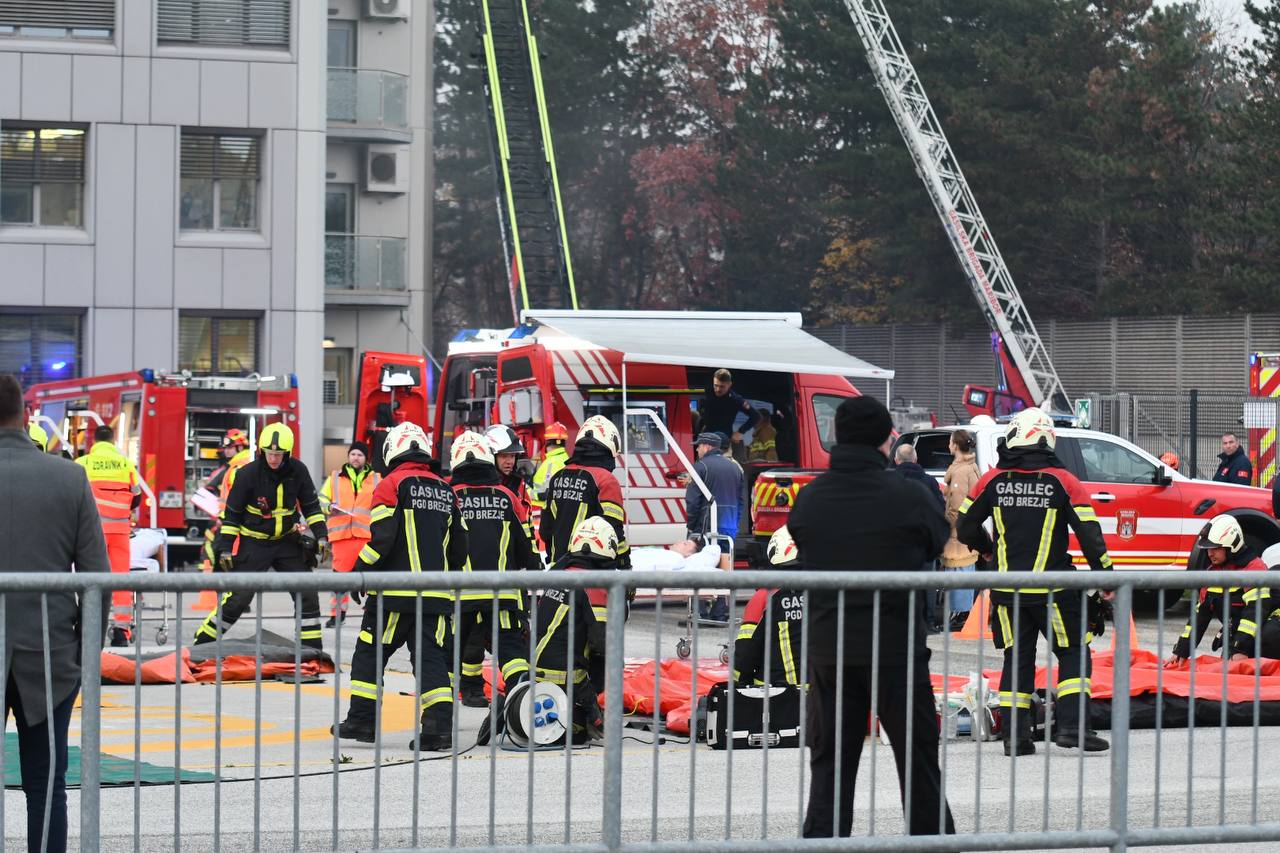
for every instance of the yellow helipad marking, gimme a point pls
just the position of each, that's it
(399, 714)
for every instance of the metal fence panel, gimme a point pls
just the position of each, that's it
(672, 796)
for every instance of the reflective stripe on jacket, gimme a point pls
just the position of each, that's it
(349, 502)
(114, 481)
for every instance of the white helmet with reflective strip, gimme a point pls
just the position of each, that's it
(503, 439)
(594, 537)
(402, 439)
(1222, 531)
(600, 429)
(1029, 428)
(782, 548)
(470, 447)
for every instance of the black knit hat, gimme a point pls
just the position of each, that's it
(361, 446)
(863, 420)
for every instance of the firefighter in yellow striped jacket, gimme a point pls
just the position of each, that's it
(772, 620)
(1032, 500)
(347, 498)
(416, 528)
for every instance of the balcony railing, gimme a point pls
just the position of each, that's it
(355, 262)
(365, 98)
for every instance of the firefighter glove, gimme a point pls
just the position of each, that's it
(322, 550)
(1217, 641)
(226, 561)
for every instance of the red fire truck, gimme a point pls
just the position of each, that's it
(170, 425)
(394, 387)
(569, 365)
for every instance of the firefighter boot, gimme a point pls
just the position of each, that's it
(1019, 741)
(471, 692)
(436, 734)
(353, 728)
(499, 708)
(1072, 739)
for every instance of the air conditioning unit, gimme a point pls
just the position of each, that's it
(387, 9)
(386, 169)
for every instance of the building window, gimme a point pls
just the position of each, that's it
(41, 175)
(337, 376)
(40, 347)
(220, 177)
(57, 19)
(221, 344)
(224, 23)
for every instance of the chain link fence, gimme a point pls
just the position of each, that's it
(1190, 425)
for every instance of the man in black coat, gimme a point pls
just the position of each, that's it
(861, 517)
(1233, 463)
(48, 523)
(906, 463)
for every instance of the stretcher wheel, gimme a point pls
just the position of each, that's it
(724, 655)
(162, 636)
(683, 649)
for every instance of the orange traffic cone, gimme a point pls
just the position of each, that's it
(207, 600)
(1133, 636)
(977, 626)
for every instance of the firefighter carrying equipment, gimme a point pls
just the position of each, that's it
(585, 487)
(404, 440)
(600, 430)
(1222, 531)
(782, 550)
(470, 447)
(576, 669)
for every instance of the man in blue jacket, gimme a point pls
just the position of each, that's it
(724, 480)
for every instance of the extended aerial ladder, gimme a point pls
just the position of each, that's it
(1032, 379)
(534, 237)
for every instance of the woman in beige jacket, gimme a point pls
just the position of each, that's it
(960, 479)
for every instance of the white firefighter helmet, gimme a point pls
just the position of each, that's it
(402, 439)
(782, 548)
(503, 439)
(600, 429)
(1029, 428)
(470, 447)
(1222, 531)
(594, 537)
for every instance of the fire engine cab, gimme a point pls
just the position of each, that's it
(569, 365)
(170, 425)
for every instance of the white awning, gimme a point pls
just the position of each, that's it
(734, 340)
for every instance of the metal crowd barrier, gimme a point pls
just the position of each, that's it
(634, 798)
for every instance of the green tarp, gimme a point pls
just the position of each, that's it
(114, 770)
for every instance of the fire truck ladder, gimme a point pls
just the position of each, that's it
(534, 235)
(965, 225)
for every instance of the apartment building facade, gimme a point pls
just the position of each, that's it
(170, 179)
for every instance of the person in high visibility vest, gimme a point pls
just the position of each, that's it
(114, 481)
(347, 498)
(39, 437)
(236, 454)
(555, 457)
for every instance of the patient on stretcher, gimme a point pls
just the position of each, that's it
(685, 555)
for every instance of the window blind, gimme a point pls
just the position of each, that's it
(207, 155)
(59, 14)
(32, 154)
(251, 23)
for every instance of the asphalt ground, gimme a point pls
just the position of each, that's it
(671, 791)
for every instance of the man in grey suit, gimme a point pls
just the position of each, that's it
(48, 523)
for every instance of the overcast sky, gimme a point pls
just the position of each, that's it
(1236, 25)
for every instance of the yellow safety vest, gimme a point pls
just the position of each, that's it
(350, 509)
(114, 481)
